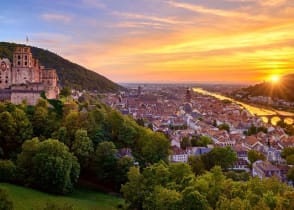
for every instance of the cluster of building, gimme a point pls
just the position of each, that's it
(180, 112)
(24, 79)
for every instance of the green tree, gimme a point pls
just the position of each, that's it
(186, 142)
(193, 200)
(270, 199)
(233, 204)
(105, 160)
(163, 199)
(287, 152)
(151, 147)
(24, 160)
(134, 191)
(7, 133)
(61, 135)
(290, 159)
(65, 92)
(39, 121)
(7, 171)
(211, 185)
(290, 174)
(224, 157)
(82, 147)
(72, 124)
(48, 165)
(5, 203)
(224, 126)
(202, 141)
(197, 165)
(127, 133)
(254, 155)
(23, 127)
(123, 166)
(238, 176)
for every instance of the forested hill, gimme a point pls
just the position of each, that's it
(281, 90)
(70, 74)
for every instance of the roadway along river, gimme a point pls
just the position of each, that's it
(252, 109)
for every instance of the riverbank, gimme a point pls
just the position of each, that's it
(253, 109)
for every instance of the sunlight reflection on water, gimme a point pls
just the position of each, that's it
(252, 109)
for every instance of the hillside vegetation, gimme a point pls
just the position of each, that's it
(70, 74)
(281, 90)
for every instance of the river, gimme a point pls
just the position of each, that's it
(254, 110)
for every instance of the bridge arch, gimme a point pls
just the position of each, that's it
(288, 120)
(275, 119)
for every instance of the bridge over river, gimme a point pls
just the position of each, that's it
(267, 115)
(289, 119)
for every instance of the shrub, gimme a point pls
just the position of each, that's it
(7, 171)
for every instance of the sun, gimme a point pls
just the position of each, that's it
(275, 78)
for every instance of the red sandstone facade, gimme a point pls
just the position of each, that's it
(25, 79)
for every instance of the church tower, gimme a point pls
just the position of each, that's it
(188, 95)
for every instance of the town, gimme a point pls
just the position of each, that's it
(182, 114)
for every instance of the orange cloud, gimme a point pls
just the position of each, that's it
(245, 44)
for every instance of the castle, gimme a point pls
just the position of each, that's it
(25, 79)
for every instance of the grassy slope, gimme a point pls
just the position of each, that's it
(25, 199)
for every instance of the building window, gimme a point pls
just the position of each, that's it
(26, 63)
(19, 57)
(26, 57)
(6, 81)
(18, 63)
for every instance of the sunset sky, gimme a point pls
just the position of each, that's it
(160, 40)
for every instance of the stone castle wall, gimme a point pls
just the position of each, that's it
(25, 79)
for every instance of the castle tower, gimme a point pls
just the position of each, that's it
(25, 68)
(22, 57)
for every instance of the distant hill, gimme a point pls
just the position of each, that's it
(281, 90)
(70, 74)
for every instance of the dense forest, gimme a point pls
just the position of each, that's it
(57, 145)
(70, 74)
